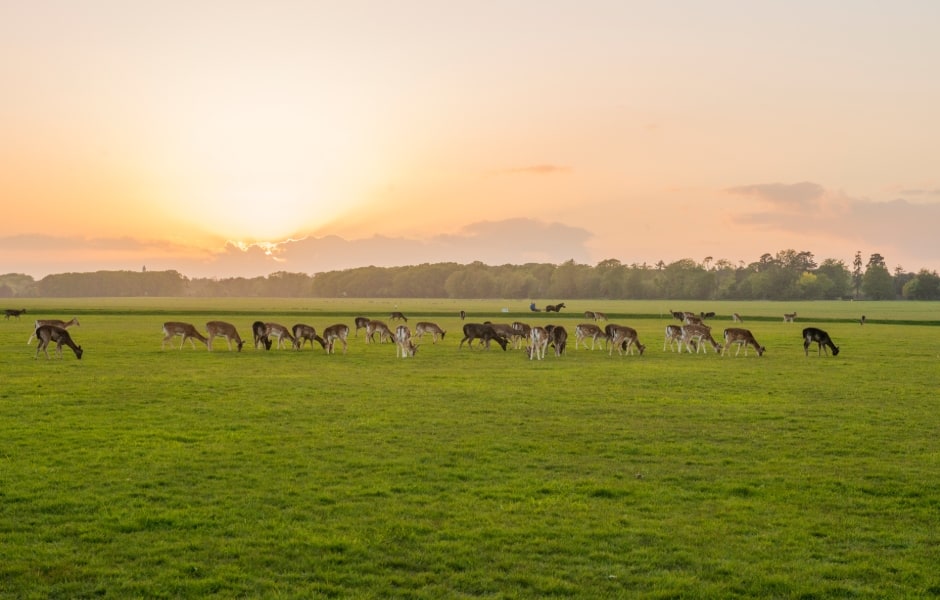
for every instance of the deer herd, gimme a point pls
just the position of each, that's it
(691, 335)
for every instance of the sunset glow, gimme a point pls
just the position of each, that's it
(230, 140)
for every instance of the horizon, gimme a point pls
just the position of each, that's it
(315, 137)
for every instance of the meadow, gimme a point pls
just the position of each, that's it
(149, 473)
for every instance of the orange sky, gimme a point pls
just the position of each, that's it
(176, 134)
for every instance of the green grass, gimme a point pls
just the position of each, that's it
(137, 472)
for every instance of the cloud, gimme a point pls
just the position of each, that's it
(921, 192)
(545, 169)
(797, 195)
(515, 241)
(809, 211)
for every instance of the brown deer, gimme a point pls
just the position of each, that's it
(61, 337)
(186, 330)
(223, 330)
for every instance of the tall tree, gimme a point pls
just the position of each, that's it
(857, 272)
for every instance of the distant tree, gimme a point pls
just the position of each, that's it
(857, 272)
(923, 286)
(877, 284)
(839, 276)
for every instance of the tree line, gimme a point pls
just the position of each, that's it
(787, 275)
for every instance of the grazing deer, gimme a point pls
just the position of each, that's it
(599, 316)
(677, 314)
(736, 318)
(538, 343)
(698, 334)
(305, 333)
(54, 322)
(707, 315)
(789, 317)
(13, 312)
(588, 330)
(822, 339)
(259, 332)
(430, 328)
(558, 336)
(463, 315)
(483, 332)
(223, 330)
(378, 327)
(361, 323)
(397, 316)
(404, 345)
(741, 337)
(624, 339)
(59, 335)
(186, 330)
(862, 320)
(277, 331)
(336, 332)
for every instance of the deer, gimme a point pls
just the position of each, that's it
(380, 328)
(397, 316)
(520, 333)
(223, 330)
(54, 322)
(822, 339)
(789, 317)
(433, 329)
(61, 337)
(538, 343)
(305, 333)
(588, 330)
(707, 315)
(558, 336)
(483, 332)
(741, 337)
(259, 331)
(698, 334)
(14, 312)
(673, 338)
(279, 332)
(361, 323)
(624, 339)
(736, 318)
(336, 332)
(404, 345)
(463, 315)
(186, 330)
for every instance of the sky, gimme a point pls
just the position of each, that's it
(241, 138)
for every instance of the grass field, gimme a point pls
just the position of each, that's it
(141, 472)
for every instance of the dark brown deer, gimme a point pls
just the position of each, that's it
(61, 337)
(14, 312)
(484, 333)
(260, 333)
(822, 339)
